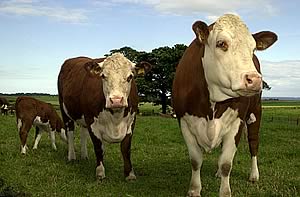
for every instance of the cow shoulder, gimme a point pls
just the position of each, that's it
(190, 93)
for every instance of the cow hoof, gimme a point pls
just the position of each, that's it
(193, 194)
(100, 172)
(226, 192)
(24, 149)
(253, 179)
(84, 158)
(71, 157)
(131, 177)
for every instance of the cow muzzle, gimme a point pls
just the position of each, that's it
(116, 102)
(252, 82)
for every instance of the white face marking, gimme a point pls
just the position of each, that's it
(225, 69)
(112, 128)
(116, 77)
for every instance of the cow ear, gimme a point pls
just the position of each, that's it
(142, 68)
(201, 30)
(264, 39)
(93, 68)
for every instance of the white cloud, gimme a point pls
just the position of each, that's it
(211, 8)
(283, 77)
(36, 8)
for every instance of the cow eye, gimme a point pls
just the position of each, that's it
(129, 78)
(222, 45)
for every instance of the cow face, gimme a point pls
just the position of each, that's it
(117, 73)
(227, 60)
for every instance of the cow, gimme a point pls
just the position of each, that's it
(101, 96)
(216, 92)
(4, 104)
(32, 112)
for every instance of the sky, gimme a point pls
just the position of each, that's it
(37, 36)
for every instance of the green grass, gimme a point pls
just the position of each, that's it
(160, 160)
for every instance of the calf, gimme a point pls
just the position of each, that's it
(101, 96)
(216, 91)
(32, 112)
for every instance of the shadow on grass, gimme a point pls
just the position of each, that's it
(11, 191)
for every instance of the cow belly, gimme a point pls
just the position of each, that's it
(209, 133)
(112, 127)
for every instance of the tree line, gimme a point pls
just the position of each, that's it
(156, 86)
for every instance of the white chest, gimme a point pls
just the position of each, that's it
(112, 127)
(209, 133)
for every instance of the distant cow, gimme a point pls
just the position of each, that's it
(101, 96)
(4, 104)
(32, 112)
(216, 91)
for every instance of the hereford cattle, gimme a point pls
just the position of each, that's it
(217, 91)
(4, 104)
(101, 96)
(32, 112)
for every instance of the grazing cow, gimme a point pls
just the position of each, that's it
(216, 91)
(101, 96)
(32, 112)
(4, 104)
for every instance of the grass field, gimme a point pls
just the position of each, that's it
(160, 160)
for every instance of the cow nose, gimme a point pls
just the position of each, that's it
(253, 81)
(116, 101)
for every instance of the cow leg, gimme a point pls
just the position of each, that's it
(70, 128)
(196, 157)
(70, 137)
(100, 170)
(24, 127)
(52, 137)
(125, 149)
(253, 140)
(83, 137)
(229, 148)
(38, 136)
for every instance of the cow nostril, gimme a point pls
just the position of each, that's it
(248, 79)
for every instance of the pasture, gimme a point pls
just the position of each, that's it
(160, 160)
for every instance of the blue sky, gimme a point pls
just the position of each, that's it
(37, 36)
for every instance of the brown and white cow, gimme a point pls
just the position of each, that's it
(216, 91)
(32, 112)
(101, 96)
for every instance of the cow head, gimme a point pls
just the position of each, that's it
(227, 60)
(117, 73)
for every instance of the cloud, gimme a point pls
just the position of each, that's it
(211, 8)
(36, 8)
(283, 77)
